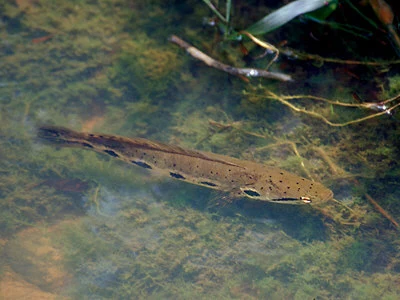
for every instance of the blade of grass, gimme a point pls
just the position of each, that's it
(215, 10)
(285, 14)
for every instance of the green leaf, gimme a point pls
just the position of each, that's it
(324, 12)
(286, 14)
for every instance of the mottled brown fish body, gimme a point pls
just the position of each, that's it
(239, 177)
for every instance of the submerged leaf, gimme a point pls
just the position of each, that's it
(382, 11)
(286, 14)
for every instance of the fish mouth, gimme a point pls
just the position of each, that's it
(328, 196)
(324, 197)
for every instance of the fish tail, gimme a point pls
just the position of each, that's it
(57, 135)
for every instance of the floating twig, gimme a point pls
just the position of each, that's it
(211, 62)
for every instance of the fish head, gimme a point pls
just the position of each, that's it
(279, 186)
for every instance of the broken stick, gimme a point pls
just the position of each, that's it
(211, 62)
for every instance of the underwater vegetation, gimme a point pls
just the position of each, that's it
(118, 232)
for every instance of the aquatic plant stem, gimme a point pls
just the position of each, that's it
(228, 12)
(381, 210)
(215, 11)
(294, 54)
(372, 23)
(211, 62)
(283, 100)
(236, 126)
(335, 170)
(265, 45)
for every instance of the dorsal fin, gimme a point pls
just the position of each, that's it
(116, 142)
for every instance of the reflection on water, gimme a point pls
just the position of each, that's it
(77, 225)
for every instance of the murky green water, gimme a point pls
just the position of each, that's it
(77, 225)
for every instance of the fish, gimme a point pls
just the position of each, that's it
(239, 178)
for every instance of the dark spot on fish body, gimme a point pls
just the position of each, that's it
(112, 153)
(86, 145)
(176, 175)
(252, 193)
(142, 164)
(208, 183)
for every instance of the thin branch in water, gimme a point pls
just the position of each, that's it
(211, 62)
(284, 101)
(294, 54)
(366, 105)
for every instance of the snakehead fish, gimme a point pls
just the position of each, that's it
(224, 173)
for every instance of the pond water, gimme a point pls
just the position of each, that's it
(79, 225)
